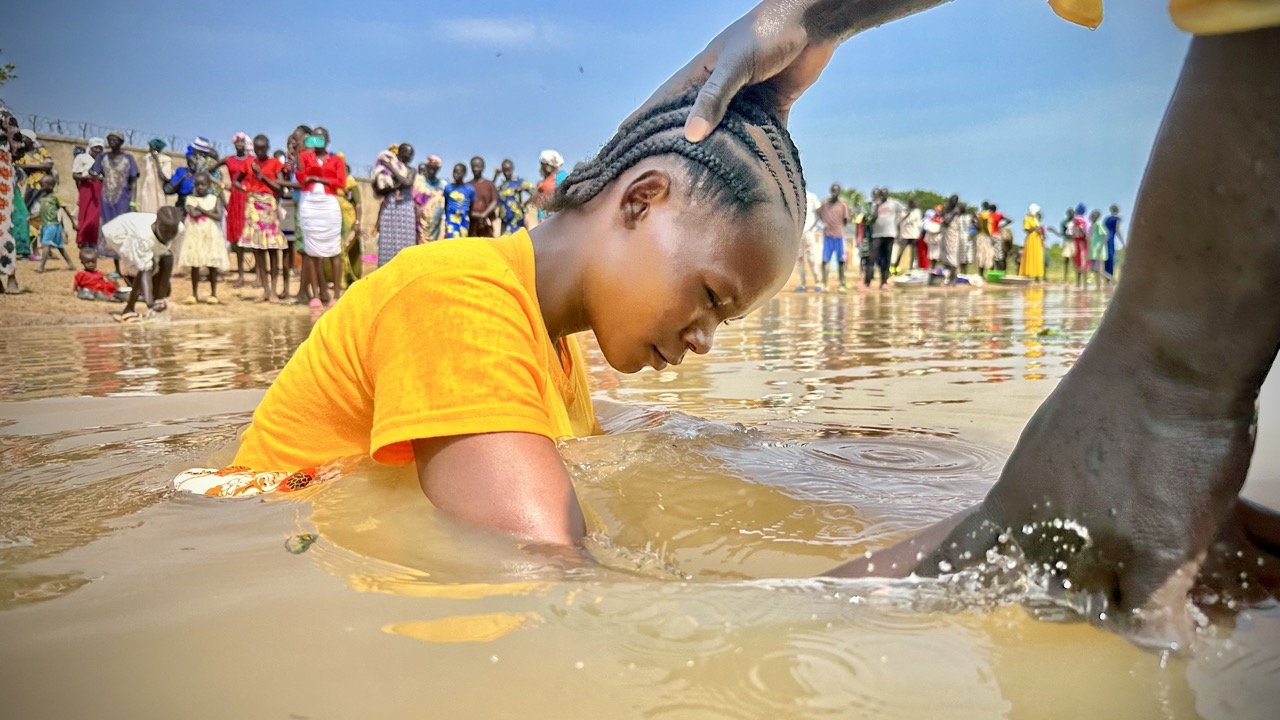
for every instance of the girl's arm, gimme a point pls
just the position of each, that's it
(274, 183)
(70, 218)
(508, 481)
(216, 213)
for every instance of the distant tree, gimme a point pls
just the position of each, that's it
(923, 198)
(854, 198)
(858, 203)
(7, 72)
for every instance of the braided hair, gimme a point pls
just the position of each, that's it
(721, 167)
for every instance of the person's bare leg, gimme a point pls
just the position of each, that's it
(1152, 470)
(195, 283)
(286, 263)
(335, 262)
(274, 257)
(260, 269)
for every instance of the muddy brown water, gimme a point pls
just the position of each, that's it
(818, 428)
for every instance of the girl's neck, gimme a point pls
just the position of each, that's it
(559, 262)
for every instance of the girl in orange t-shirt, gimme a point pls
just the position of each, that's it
(458, 356)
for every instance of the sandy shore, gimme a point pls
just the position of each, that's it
(47, 298)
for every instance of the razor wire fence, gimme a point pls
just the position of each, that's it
(134, 137)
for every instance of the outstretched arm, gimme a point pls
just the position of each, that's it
(1136, 495)
(782, 44)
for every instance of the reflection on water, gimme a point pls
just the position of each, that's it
(821, 427)
(131, 360)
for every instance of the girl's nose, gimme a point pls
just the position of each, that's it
(699, 338)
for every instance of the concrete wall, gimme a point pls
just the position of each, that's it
(61, 148)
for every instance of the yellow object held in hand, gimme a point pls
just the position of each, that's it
(1081, 12)
(1201, 17)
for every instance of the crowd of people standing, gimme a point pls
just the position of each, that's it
(891, 237)
(277, 210)
(298, 207)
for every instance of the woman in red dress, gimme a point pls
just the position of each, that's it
(90, 187)
(237, 165)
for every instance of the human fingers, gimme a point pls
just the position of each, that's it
(695, 72)
(732, 72)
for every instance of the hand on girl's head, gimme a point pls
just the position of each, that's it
(686, 237)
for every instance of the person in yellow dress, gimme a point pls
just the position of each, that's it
(1032, 264)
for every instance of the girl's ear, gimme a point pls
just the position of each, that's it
(651, 186)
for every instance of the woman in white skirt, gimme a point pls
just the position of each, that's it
(321, 175)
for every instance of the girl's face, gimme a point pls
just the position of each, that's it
(459, 173)
(261, 147)
(671, 269)
(240, 146)
(202, 185)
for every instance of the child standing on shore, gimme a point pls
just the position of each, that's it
(1097, 247)
(203, 245)
(458, 199)
(260, 181)
(51, 234)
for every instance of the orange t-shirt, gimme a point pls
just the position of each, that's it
(447, 339)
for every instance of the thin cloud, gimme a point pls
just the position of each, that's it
(495, 32)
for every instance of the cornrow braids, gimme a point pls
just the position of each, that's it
(715, 168)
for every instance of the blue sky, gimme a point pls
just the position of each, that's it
(992, 99)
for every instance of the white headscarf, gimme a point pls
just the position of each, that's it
(1033, 209)
(552, 158)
